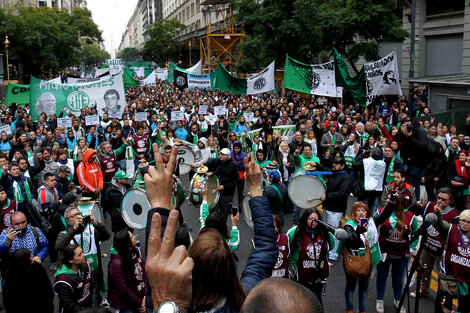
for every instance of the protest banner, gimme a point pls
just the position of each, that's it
(115, 66)
(92, 120)
(64, 122)
(75, 80)
(50, 97)
(17, 93)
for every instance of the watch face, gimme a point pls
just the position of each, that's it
(168, 307)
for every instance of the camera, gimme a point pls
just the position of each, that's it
(87, 219)
(21, 231)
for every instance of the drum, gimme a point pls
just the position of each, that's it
(91, 208)
(246, 210)
(134, 208)
(185, 158)
(305, 190)
(197, 185)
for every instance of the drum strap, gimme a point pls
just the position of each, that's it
(278, 192)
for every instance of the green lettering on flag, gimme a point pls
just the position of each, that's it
(228, 82)
(297, 75)
(17, 93)
(356, 85)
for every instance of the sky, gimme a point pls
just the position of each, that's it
(111, 16)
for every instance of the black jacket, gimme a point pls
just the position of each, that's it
(275, 203)
(227, 173)
(338, 188)
(416, 149)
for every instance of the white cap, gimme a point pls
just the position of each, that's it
(225, 151)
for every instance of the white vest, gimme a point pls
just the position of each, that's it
(374, 172)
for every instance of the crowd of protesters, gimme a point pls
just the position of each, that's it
(397, 167)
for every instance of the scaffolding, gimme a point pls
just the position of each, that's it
(221, 38)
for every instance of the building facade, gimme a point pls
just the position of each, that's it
(61, 4)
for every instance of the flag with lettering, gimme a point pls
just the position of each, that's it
(17, 93)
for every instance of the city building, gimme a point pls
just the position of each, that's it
(61, 4)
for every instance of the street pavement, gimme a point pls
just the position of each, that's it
(333, 301)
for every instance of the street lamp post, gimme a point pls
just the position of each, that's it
(7, 43)
(190, 63)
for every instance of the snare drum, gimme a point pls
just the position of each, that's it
(91, 208)
(305, 190)
(197, 185)
(246, 209)
(184, 159)
(134, 208)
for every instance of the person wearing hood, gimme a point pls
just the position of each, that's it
(90, 176)
(112, 198)
(238, 157)
(51, 165)
(201, 151)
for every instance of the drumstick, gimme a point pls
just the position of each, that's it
(314, 199)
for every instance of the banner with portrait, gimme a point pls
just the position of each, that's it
(50, 98)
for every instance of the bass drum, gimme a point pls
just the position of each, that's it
(184, 158)
(246, 209)
(197, 185)
(305, 190)
(91, 208)
(134, 208)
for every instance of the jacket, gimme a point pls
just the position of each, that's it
(227, 173)
(38, 246)
(48, 199)
(338, 188)
(89, 175)
(26, 192)
(111, 203)
(126, 289)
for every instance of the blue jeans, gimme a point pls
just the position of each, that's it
(333, 218)
(351, 283)
(398, 268)
(122, 164)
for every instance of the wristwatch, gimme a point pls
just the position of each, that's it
(169, 307)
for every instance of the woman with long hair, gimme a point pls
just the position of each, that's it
(284, 159)
(350, 148)
(74, 284)
(362, 231)
(312, 140)
(126, 274)
(394, 241)
(27, 286)
(310, 244)
(458, 178)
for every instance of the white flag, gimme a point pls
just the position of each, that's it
(196, 69)
(261, 82)
(382, 77)
(149, 80)
(324, 82)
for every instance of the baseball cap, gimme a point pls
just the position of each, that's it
(65, 169)
(121, 174)
(274, 174)
(69, 198)
(225, 151)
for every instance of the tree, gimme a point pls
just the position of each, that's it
(45, 39)
(129, 54)
(307, 29)
(91, 53)
(162, 45)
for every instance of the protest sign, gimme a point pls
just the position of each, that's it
(177, 115)
(64, 122)
(92, 120)
(249, 116)
(114, 114)
(211, 119)
(6, 129)
(140, 117)
(220, 110)
(203, 109)
(115, 66)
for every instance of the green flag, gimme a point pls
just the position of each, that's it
(297, 75)
(129, 81)
(17, 93)
(356, 85)
(225, 81)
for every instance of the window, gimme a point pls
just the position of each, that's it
(198, 6)
(42, 3)
(184, 16)
(192, 9)
(187, 12)
(54, 4)
(436, 7)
